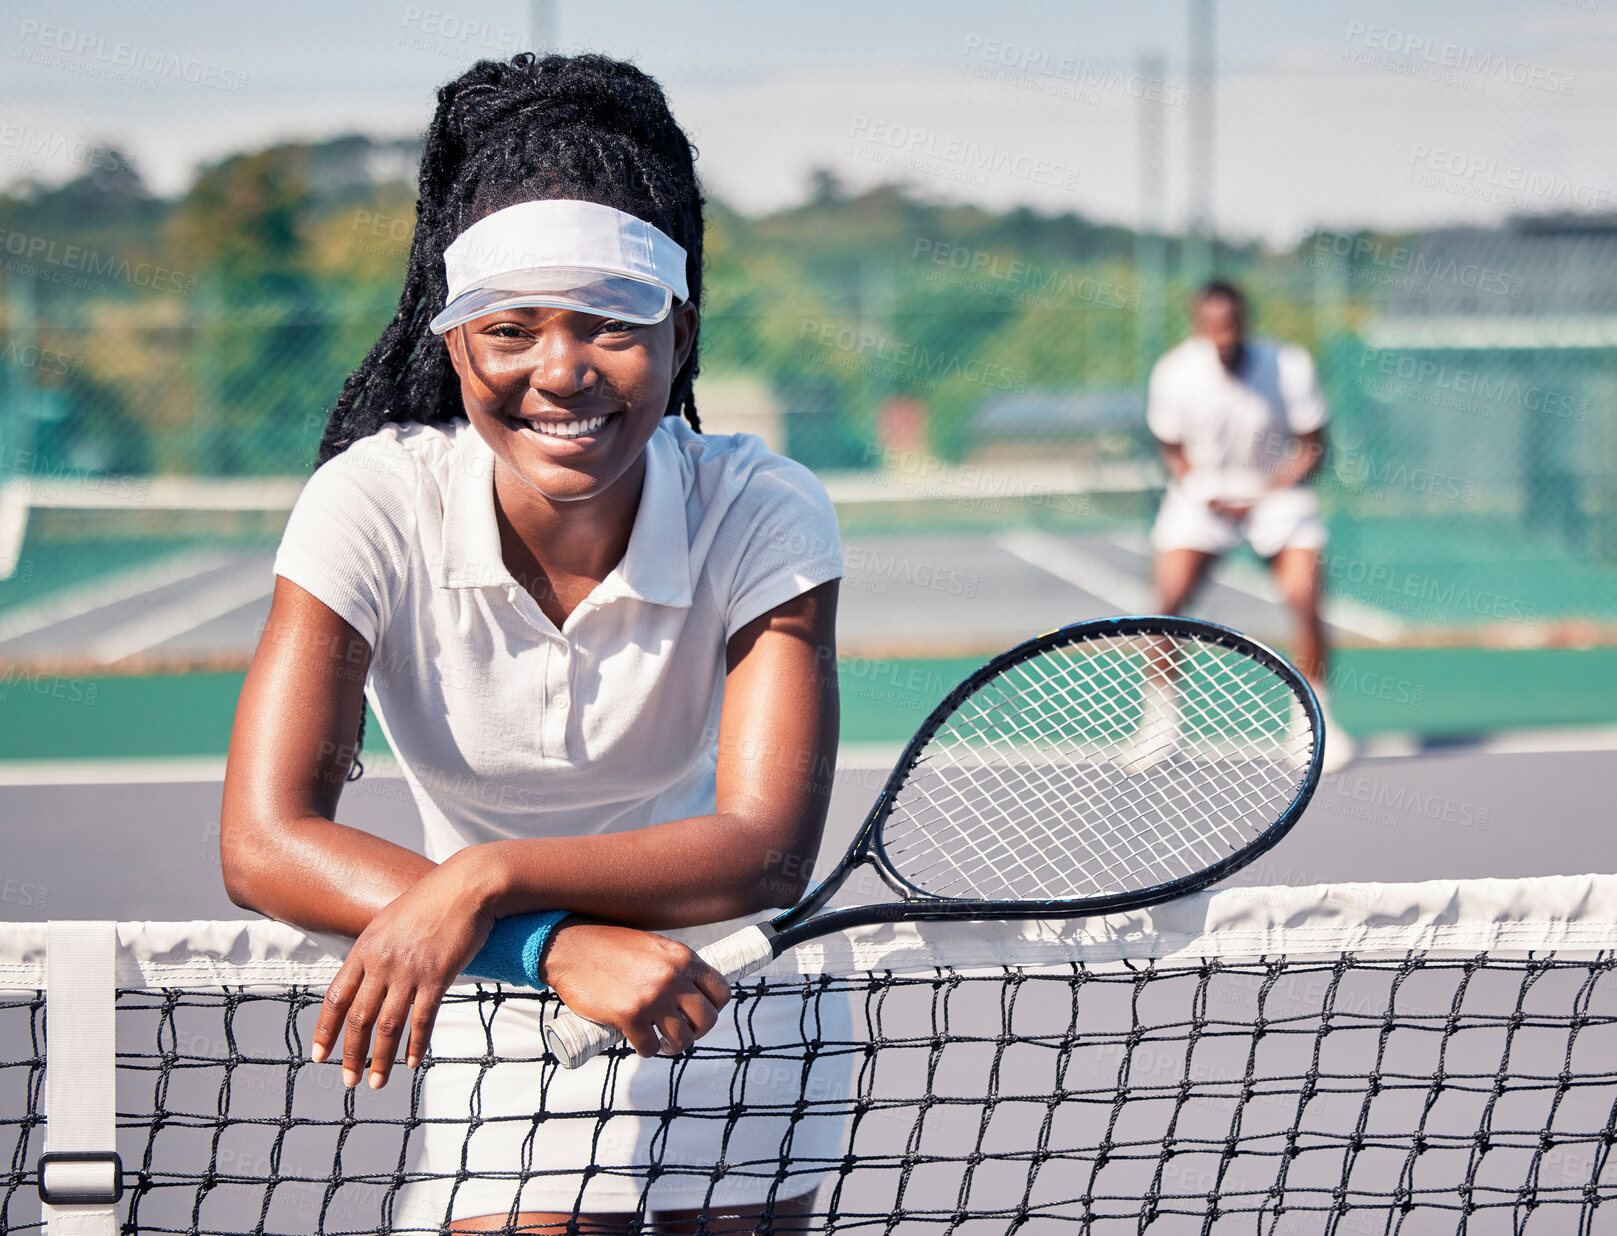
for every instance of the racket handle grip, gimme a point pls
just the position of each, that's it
(574, 1039)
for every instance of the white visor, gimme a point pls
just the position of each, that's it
(564, 255)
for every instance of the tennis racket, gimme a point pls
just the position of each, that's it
(1098, 768)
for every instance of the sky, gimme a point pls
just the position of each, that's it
(1324, 114)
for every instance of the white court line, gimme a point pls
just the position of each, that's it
(853, 757)
(1101, 580)
(1384, 747)
(865, 756)
(178, 770)
(112, 772)
(74, 602)
(1552, 740)
(1340, 612)
(13, 527)
(185, 613)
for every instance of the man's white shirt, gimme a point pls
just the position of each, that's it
(1236, 430)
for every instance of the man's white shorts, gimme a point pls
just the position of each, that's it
(1287, 519)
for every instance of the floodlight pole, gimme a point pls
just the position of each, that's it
(1150, 240)
(1201, 250)
(542, 25)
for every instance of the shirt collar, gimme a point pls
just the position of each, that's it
(656, 566)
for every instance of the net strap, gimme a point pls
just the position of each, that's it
(80, 1079)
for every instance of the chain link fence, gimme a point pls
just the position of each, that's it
(939, 365)
(959, 377)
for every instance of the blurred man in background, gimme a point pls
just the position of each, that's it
(1241, 425)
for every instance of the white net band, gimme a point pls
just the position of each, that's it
(1570, 915)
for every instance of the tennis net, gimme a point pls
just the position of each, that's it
(1420, 1058)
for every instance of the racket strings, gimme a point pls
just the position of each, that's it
(1190, 832)
(1115, 763)
(1067, 802)
(1128, 843)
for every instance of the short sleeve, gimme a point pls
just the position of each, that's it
(1299, 391)
(778, 540)
(344, 541)
(1163, 411)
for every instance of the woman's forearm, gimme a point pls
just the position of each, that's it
(316, 874)
(323, 876)
(684, 873)
(284, 856)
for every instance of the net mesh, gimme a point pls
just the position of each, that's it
(1448, 1069)
(1106, 765)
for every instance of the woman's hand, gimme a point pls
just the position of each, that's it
(637, 982)
(397, 972)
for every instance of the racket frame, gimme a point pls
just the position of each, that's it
(802, 922)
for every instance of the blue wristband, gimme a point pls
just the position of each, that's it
(512, 951)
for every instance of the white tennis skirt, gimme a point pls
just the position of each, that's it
(767, 1087)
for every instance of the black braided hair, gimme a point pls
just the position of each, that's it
(528, 129)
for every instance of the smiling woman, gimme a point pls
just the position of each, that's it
(594, 640)
(567, 400)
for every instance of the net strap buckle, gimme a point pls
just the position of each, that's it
(80, 1177)
(77, 1186)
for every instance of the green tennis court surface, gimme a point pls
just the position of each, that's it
(1425, 692)
(148, 589)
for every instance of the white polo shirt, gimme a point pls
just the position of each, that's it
(1236, 430)
(504, 726)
